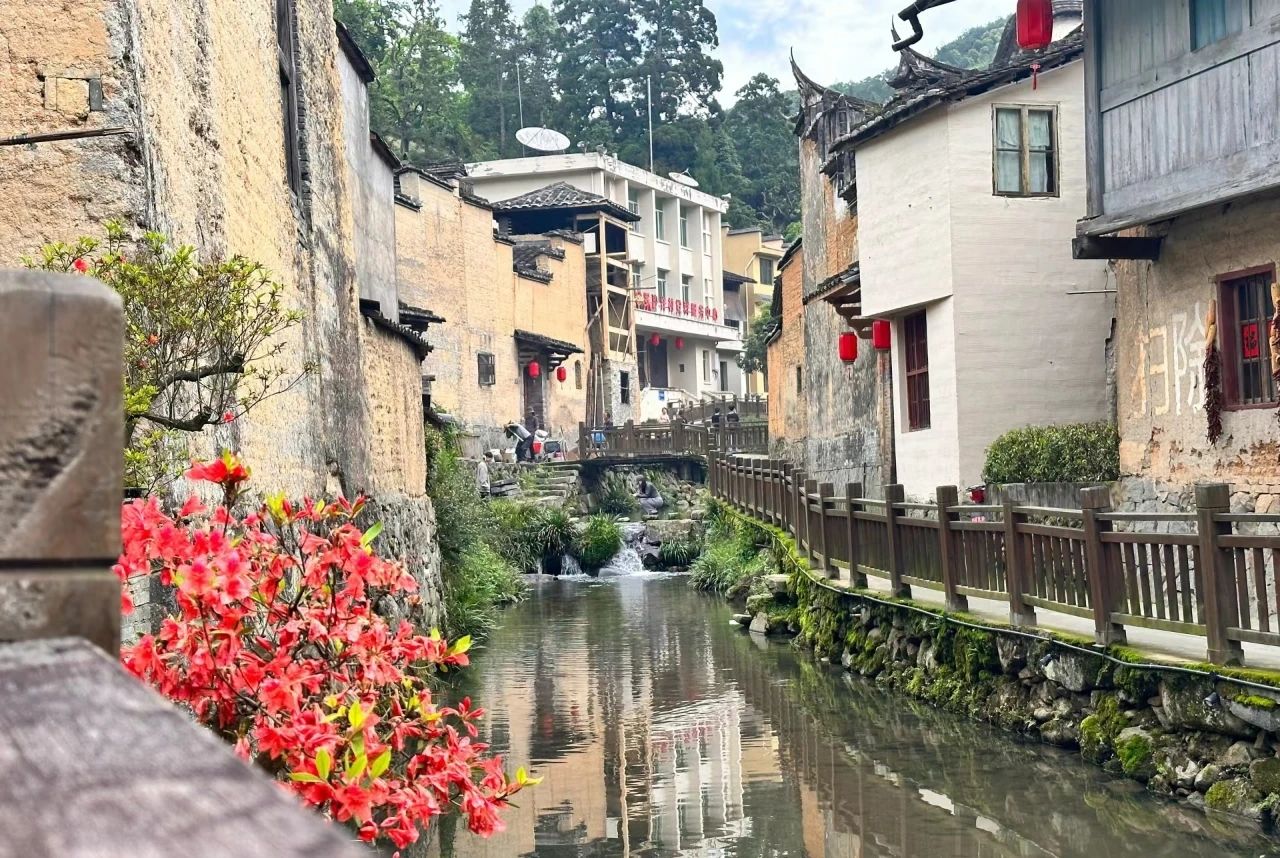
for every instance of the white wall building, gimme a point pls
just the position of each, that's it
(684, 348)
(966, 209)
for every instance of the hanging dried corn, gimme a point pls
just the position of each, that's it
(1213, 375)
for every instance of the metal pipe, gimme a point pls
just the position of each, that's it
(52, 136)
(911, 15)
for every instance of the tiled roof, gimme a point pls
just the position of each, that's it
(731, 279)
(549, 344)
(563, 195)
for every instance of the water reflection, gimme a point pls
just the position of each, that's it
(662, 731)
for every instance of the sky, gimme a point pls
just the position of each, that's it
(834, 40)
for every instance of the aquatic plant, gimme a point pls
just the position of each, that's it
(598, 542)
(616, 496)
(276, 647)
(679, 551)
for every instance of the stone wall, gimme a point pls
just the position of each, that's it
(787, 420)
(1160, 345)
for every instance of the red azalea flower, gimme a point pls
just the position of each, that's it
(80, 264)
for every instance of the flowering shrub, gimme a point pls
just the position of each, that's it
(276, 647)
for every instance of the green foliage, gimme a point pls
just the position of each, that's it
(555, 534)
(1134, 754)
(1080, 452)
(201, 342)
(616, 497)
(489, 49)
(678, 552)
(975, 47)
(755, 352)
(477, 544)
(760, 125)
(732, 559)
(598, 542)
(517, 528)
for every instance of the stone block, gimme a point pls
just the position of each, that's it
(41, 603)
(72, 96)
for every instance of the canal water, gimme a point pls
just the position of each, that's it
(662, 730)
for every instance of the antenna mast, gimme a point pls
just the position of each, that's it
(648, 82)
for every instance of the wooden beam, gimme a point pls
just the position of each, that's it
(1116, 247)
(1094, 154)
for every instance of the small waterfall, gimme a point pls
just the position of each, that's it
(627, 561)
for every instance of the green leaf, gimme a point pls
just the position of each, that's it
(370, 535)
(380, 764)
(356, 769)
(355, 715)
(305, 777)
(324, 763)
(461, 645)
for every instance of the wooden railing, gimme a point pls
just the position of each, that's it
(1219, 578)
(746, 407)
(676, 438)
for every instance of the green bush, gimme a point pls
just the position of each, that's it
(732, 559)
(476, 550)
(616, 497)
(598, 542)
(555, 538)
(517, 529)
(1075, 453)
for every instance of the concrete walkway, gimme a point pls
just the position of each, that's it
(1162, 646)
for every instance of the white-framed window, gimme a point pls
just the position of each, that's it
(635, 277)
(662, 282)
(706, 365)
(686, 288)
(684, 227)
(633, 206)
(706, 233)
(659, 222)
(706, 290)
(1025, 155)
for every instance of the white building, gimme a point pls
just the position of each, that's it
(969, 186)
(683, 347)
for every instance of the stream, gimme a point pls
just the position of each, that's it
(661, 730)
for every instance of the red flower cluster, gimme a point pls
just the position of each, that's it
(276, 646)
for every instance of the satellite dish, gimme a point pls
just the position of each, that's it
(684, 179)
(543, 139)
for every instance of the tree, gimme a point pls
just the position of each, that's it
(755, 348)
(759, 125)
(487, 70)
(374, 24)
(538, 60)
(599, 51)
(678, 36)
(975, 47)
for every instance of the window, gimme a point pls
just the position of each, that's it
(799, 378)
(660, 223)
(1244, 327)
(577, 374)
(684, 227)
(633, 206)
(1025, 154)
(706, 290)
(686, 288)
(1214, 20)
(766, 271)
(289, 93)
(915, 341)
(706, 233)
(662, 282)
(485, 369)
(624, 388)
(635, 277)
(706, 365)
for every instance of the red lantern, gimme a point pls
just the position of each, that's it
(535, 369)
(1035, 24)
(654, 340)
(679, 342)
(880, 334)
(561, 373)
(848, 347)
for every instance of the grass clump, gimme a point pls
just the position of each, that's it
(678, 552)
(732, 558)
(616, 497)
(598, 542)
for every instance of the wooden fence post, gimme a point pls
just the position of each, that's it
(853, 491)
(1015, 559)
(629, 436)
(807, 488)
(895, 494)
(947, 497)
(583, 444)
(825, 492)
(1102, 583)
(788, 499)
(1221, 610)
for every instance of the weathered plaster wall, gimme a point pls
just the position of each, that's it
(788, 422)
(1159, 347)
(198, 86)
(67, 188)
(450, 262)
(1027, 351)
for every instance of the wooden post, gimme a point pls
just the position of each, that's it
(825, 492)
(1015, 565)
(1103, 584)
(947, 497)
(584, 448)
(775, 474)
(894, 494)
(802, 512)
(788, 499)
(852, 492)
(629, 436)
(1221, 610)
(810, 489)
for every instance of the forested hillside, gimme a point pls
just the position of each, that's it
(584, 67)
